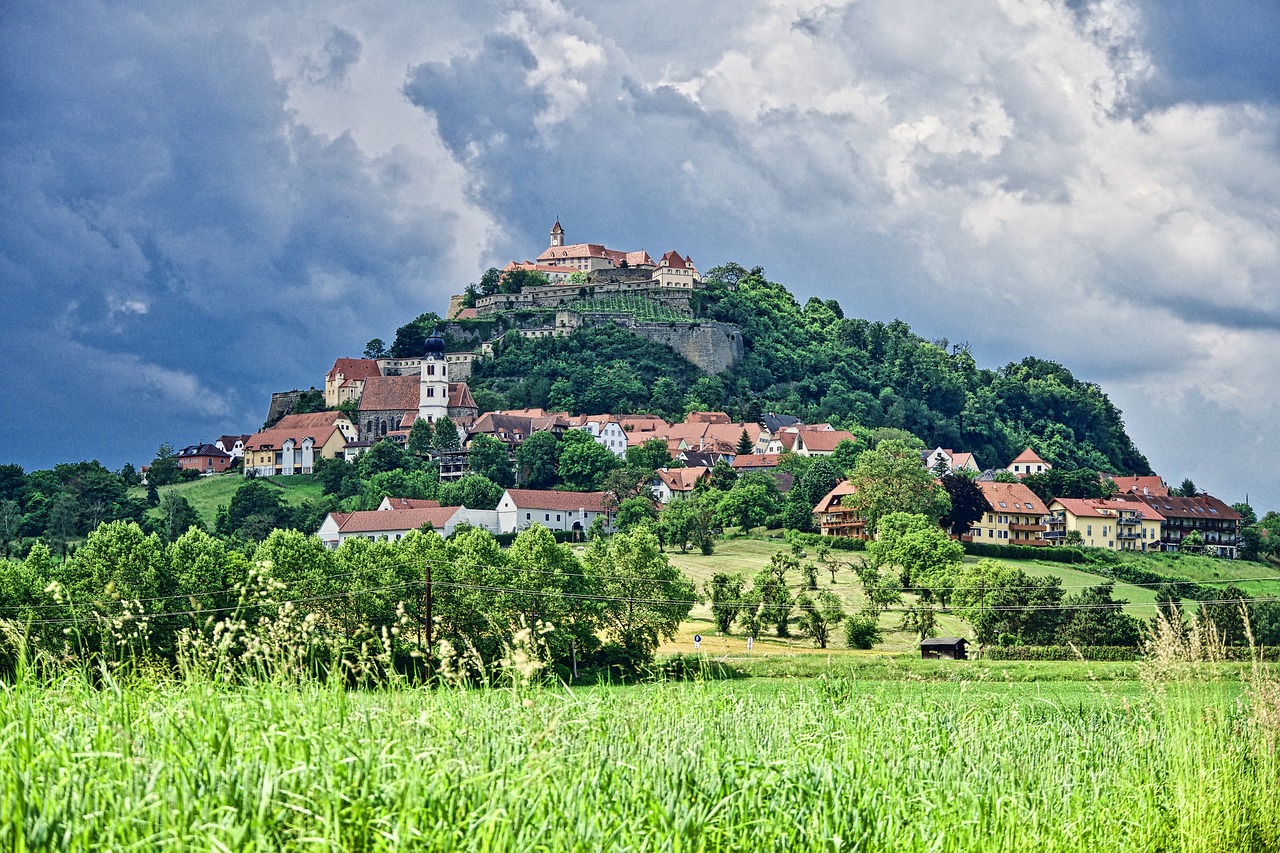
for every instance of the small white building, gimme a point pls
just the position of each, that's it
(392, 525)
(605, 430)
(554, 510)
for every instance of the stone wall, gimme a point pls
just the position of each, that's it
(558, 296)
(712, 347)
(282, 403)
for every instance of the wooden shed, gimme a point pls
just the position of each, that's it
(951, 648)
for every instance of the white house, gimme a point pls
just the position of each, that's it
(605, 430)
(953, 460)
(676, 483)
(392, 525)
(567, 511)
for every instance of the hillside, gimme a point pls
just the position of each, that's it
(813, 362)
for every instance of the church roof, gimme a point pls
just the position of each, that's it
(390, 393)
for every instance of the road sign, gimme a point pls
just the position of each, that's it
(697, 640)
(750, 642)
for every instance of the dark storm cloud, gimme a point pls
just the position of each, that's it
(178, 244)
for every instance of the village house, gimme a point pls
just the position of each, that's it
(345, 380)
(1028, 462)
(295, 442)
(205, 458)
(1111, 524)
(1149, 485)
(671, 484)
(950, 461)
(1213, 519)
(833, 518)
(1016, 517)
(555, 510)
(232, 445)
(605, 429)
(392, 525)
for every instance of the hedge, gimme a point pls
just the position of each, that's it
(1093, 653)
(1052, 554)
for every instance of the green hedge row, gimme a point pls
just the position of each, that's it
(835, 543)
(1053, 554)
(1094, 653)
(1130, 573)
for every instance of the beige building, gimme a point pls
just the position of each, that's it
(296, 441)
(1016, 517)
(1114, 525)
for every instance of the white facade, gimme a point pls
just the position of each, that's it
(609, 434)
(433, 388)
(513, 518)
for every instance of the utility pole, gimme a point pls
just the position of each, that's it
(428, 617)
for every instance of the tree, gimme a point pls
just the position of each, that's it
(651, 455)
(724, 593)
(1004, 603)
(667, 399)
(375, 348)
(745, 445)
(1187, 489)
(968, 504)
(746, 505)
(421, 437)
(129, 475)
(490, 281)
(62, 520)
(488, 458)
(446, 434)
(645, 598)
(722, 476)
(861, 632)
(164, 468)
(926, 557)
(1247, 514)
(817, 621)
(176, 516)
(536, 460)
(1095, 618)
(891, 479)
(255, 510)
(472, 491)
(621, 484)
(920, 620)
(774, 596)
(584, 462)
(636, 511)
(10, 518)
(702, 532)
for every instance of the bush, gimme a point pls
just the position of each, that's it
(835, 543)
(861, 632)
(1025, 552)
(682, 667)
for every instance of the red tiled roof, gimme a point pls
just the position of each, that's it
(639, 259)
(1095, 508)
(825, 440)
(834, 497)
(1016, 497)
(683, 479)
(564, 501)
(390, 393)
(1142, 485)
(412, 503)
(1028, 455)
(1201, 506)
(310, 420)
(467, 314)
(376, 521)
(274, 438)
(354, 368)
(756, 460)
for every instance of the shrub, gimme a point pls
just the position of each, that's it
(861, 632)
(1025, 552)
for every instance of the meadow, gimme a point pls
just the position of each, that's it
(894, 757)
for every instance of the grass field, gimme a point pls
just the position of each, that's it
(765, 764)
(208, 493)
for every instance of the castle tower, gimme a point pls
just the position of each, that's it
(433, 382)
(557, 234)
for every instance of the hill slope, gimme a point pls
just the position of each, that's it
(813, 362)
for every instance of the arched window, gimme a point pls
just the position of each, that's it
(431, 370)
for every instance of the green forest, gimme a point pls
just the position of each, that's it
(814, 362)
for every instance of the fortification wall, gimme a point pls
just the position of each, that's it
(713, 347)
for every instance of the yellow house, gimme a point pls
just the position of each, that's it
(1114, 525)
(295, 442)
(1015, 517)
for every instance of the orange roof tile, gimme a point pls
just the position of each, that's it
(354, 368)
(557, 500)
(1016, 497)
(390, 393)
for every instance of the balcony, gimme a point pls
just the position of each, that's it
(1128, 520)
(1128, 534)
(1028, 528)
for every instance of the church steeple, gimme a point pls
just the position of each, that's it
(557, 234)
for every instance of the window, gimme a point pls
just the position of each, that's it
(1003, 505)
(1088, 529)
(557, 516)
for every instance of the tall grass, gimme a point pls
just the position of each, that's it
(817, 765)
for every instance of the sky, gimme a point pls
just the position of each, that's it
(203, 203)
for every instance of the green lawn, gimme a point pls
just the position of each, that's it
(208, 493)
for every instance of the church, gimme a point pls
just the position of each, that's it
(390, 404)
